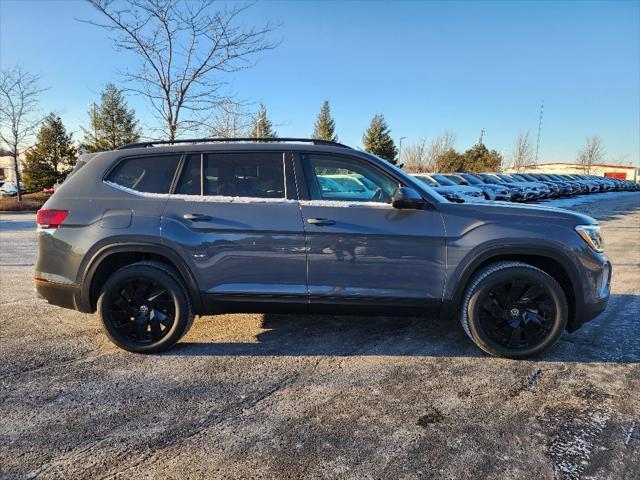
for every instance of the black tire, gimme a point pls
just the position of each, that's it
(513, 310)
(145, 307)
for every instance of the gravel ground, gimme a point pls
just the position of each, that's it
(270, 396)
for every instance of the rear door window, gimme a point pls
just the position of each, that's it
(151, 174)
(250, 175)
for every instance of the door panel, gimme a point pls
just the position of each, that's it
(367, 251)
(238, 245)
(375, 254)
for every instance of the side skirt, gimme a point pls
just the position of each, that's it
(246, 303)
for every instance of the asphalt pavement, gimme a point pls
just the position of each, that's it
(295, 396)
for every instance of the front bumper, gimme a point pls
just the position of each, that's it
(599, 298)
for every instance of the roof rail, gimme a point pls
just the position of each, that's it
(153, 143)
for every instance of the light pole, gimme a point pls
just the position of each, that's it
(93, 122)
(400, 149)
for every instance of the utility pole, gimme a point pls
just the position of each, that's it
(400, 149)
(481, 138)
(93, 122)
(539, 132)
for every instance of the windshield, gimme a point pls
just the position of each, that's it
(330, 185)
(349, 183)
(471, 179)
(427, 180)
(442, 180)
(456, 179)
(490, 178)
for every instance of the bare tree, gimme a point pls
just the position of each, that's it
(183, 48)
(437, 149)
(19, 118)
(591, 154)
(414, 157)
(231, 120)
(523, 153)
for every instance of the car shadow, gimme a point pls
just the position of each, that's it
(609, 338)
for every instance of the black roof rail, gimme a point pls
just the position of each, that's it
(152, 143)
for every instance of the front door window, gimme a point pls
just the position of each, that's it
(345, 179)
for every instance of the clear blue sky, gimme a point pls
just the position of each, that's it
(426, 66)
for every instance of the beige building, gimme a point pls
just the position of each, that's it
(625, 172)
(7, 172)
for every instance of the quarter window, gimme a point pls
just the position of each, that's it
(345, 179)
(146, 174)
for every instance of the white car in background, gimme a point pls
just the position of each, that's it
(8, 189)
(449, 190)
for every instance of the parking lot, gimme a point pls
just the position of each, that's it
(276, 396)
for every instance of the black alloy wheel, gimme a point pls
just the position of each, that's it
(141, 310)
(517, 313)
(514, 310)
(145, 307)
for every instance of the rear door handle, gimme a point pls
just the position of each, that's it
(320, 222)
(197, 217)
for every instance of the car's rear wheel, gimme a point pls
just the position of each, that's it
(144, 307)
(514, 310)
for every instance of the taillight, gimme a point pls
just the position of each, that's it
(51, 218)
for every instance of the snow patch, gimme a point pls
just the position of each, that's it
(571, 447)
(135, 192)
(573, 201)
(343, 204)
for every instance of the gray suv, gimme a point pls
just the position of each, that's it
(151, 234)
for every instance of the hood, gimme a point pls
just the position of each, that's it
(465, 189)
(446, 190)
(518, 213)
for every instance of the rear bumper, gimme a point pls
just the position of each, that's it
(63, 295)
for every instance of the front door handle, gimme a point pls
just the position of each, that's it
(320, 222)
(197, 217)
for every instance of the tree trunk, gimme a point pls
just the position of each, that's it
(15, 166)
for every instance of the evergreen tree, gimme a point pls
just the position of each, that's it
(325, 127)
(112, 123)
(450, 161)
(52, 158)
(377, 140)
(261, 125)
(480, 159)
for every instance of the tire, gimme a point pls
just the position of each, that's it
(516, 321)
(145, 307)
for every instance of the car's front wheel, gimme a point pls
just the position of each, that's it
(145, 307)
(513, 310)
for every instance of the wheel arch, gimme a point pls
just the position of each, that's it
(549, 260)
(110, 258)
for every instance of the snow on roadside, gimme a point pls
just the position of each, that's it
(573, 201)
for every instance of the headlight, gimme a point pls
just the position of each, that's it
(591, 235)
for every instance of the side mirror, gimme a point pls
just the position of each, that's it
(407, 198)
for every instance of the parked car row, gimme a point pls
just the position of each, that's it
(519, 187)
